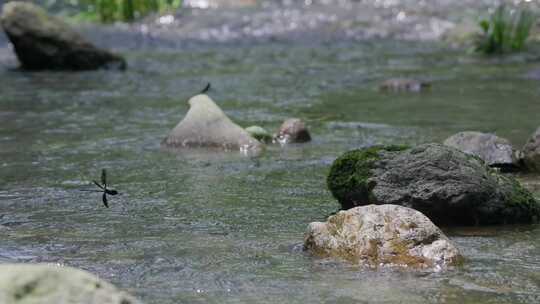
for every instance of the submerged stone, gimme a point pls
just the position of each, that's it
(494, 150)
(447, 185)
(382, 235)
(259, 134)
(206, 126)
(44, 42)
(41, 283)
(403, 85)
(293, 130)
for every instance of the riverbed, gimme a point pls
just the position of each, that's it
(206, 227)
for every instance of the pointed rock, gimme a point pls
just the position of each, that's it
(205, 125)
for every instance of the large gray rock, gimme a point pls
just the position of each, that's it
(447, 185)
(45, 42)
(385, 235)
(531, 152)
(494, 150)
(206, 126)
(41, 283)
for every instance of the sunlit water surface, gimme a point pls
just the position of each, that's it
(224, 228)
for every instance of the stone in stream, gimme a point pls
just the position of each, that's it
(448, 186)
(44, 42)
(531, 152)
(403, 85)
(382, 235)
(43, 283)
(494, 150)
(206, 126)
(259, 134)
(293, 130)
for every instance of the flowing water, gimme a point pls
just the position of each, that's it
(202, 227)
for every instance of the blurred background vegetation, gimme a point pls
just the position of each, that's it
(506, 30)
(107, 11)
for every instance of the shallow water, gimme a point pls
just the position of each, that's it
(205, 227)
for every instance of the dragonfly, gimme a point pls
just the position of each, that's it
(103, 187)
(206, 89)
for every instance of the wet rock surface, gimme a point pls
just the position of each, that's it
(531, 152)
(42, 283)
(494, 150)
(206, 126)
(45, 42)
(292, 130)
(382, 235)
(447, 185)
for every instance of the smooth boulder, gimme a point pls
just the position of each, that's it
(447, 185)
(382, 235)
(44, 42)
(206, 126)
(531, 152)
(495, 151)
(292, 130)
(43, 283)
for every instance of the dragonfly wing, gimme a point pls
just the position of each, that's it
(104, 178)
(100, 186)
(105, 202)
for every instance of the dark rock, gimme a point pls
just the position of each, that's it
(293, 130)
(447, 185)
(385, 235)
(206, 126)
(45, 42)
(494, 150)
(404, 85)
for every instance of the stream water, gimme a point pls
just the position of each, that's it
(223, 228)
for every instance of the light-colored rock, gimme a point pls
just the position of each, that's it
(49, 284)
(531, 152)
(382, 235)
(403, 85)
(494, 150)
(206, 126)
(43, 42)
(292, 130)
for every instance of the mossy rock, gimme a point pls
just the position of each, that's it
(350, 180)
(259, 134)
(447, 185)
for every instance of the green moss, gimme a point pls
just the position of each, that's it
(523, 202)
(259, 134)
(349, 177)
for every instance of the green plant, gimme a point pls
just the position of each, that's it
(107, 11)
(505, 31)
